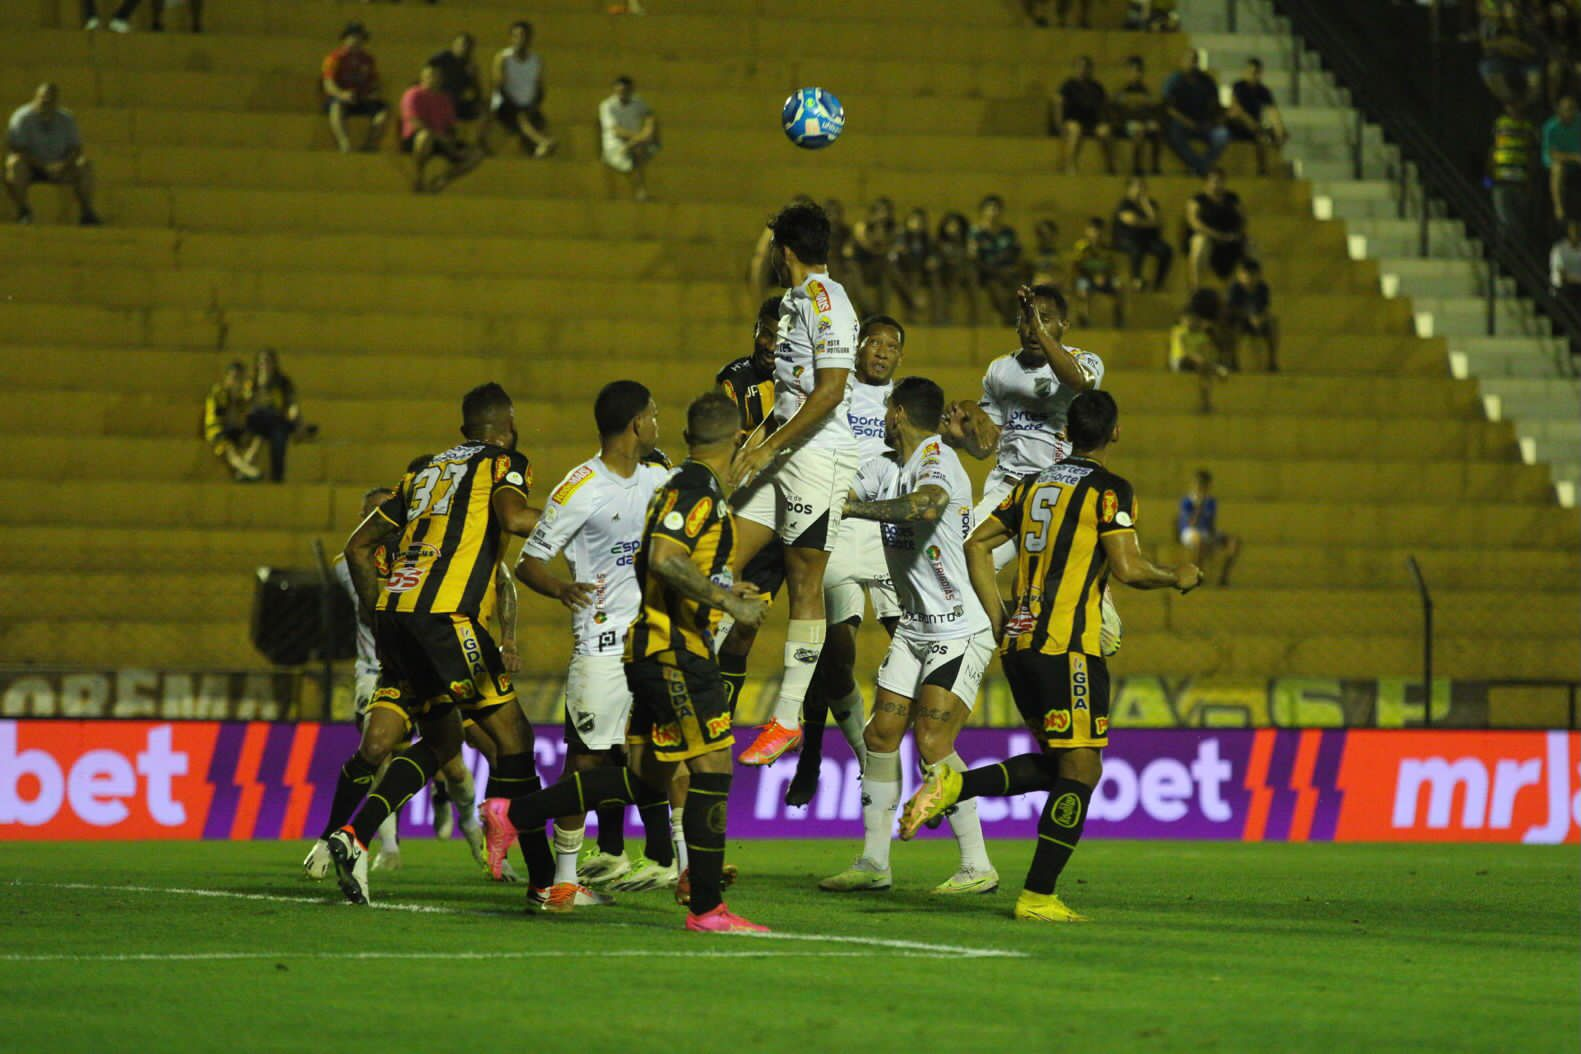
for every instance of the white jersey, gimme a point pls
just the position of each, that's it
(596, 517)
(367, 654)
(818, 328)
(1029, 406)
(927, 561)
(522, 78)
(866, 409)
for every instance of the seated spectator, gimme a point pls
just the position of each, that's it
(225, 425)
(1037, 11)
(517, 102)
(1139, 232)
(351, 88)
(1511, 60)
(1253, 117)
(1248, 310)
(1047, 261)
(839, 241)
(1083, 112)
(871, 251)
(1135, 107)
(1198, 527)
(916, 264)
(428, 131)
(1217, 230)
(996, 255)
(459, 79)
(44, 146)
(1564, 265)
(956, 279)
(1083, 13)
(272, 410)
(628, 134)
(1561, 155)
(120, 21)
(1194, 345)
(1092, 270)
(1192, 114)
(1152, 16)
(1510, 170)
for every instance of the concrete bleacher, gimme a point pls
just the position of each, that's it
(233, 225)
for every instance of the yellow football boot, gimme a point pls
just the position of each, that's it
(1044, 907)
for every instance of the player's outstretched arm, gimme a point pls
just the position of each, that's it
(505, 613)
(534, 573)
(989, 535)
(1138, 572)
(1050, 339)
(827, 393)
(359, 561)
(515, 515)
(671, 562)
(970, 430)
(925, 504)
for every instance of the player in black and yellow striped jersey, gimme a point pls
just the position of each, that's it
(452, 511)
(1074, 524)
(679, 711)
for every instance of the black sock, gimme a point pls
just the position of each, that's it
(353, 784)
(514, 776)
(814, 718)
(577, 795)
(410, 770)
(704, 822)
(654, 808)
(733, 671)
(440, 795)
(1059, 830)
(1017, 775)
(611, 829)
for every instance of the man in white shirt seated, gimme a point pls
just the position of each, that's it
(44, 146)
(629, 134)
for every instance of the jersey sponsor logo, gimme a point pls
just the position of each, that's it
(570, 485)
(805, 656)
(600, 617)
(1043, 387)
(1066, 811)
(1110, 506)
(666, 735)
(698, 517)
(820, 296)
(867, 427)
(718, 726)
(1100, 726)
(502, 467)
(824, 325)
(674, 521)
(460, 690)
(1057, 722)
(516, 479)
(1123, 519)
(386, 695)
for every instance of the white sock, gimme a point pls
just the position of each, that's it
(851, 715)
(567, 847)
(678, 836)
(880, 798)
(803, 644)
(967, 827)
(388, 843)
(463, 799)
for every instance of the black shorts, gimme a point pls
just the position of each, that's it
(365, 108)
(766, 570)
(1063, 698)
(1088, 120)
(432, 662)
(1223, 256)
(448, 149)
(506, 113)
(678, 704)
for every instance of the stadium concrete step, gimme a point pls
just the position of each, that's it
(1467, 316)
(1386, 238)
(1507, 356)
(1427, 279)
(1535, 398)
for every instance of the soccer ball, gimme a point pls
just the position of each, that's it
(812, 118)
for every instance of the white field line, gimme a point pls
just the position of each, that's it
(902, 948)
(630, 953)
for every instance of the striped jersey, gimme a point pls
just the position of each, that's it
(450, 538)
(689, 509)
(752, 389)
(1058, 519)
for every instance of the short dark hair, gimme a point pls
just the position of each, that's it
(1095, 221)
(1256, 64)
(481, 405)
(1047, 291)
(922, 400)
(1204, 476)
(712, 418)
(1091, 419)
(803, 228)
(237, 365)
(991, 199)
(625, 81)
(371, 491)
(1134, 60)
(881, 320)
(1216, 170)
(355, 29)
(618, 404)
(522, 24)
(1250, 265)
(769, 310)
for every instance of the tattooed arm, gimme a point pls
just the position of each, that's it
(671, 562)
(924, 504)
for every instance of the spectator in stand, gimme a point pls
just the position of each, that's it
(43, 145)
(1562, 158)
(1083, 112)
(459, 78)
(629, 134)
(996, 254)
(351, 88)
(1560, 34)
(839, 241)
(1564, 265)
(1139, 232)
(1217, 230)
(1198, 527)
(1253, 117)
(916, 264)
(1248, 311)
(1153, 16)
(428, 131)
(872, 250)
(1511, 60)
(1510, 169)
(1194, 345)
(1037, 11)
(1047, 262)
(273, 413)
(952, 246)
(1192, 114)
(517, 102)
(1092, 269)
(120, 21)
(1136, 117)
(225, 425)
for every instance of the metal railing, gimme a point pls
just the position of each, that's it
(1427, 638)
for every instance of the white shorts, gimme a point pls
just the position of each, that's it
(956, 665)
(365, 684)
(597, 700)
(858, 573)
(995, 490)
(802, 496)
(623, 158)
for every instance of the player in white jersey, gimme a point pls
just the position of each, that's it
(794, 479)
(857, 571)
(595, 517)
(944, 643)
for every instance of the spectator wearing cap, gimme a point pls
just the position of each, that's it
(43, 145)
(459, 79)
(1253, 117)
(428, 132)
(351, 88)
(517, 102)
(1562, 157)
(1192, 114)
(629, 134)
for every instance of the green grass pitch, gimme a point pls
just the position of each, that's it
(1227, 947)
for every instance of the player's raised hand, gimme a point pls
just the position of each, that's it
(510, 658)
(747, 590)
(748, 611)
(577, 595)
(1187, 578)
(748, 462)
(953, 427)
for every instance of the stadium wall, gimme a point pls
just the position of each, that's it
(66, 779)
